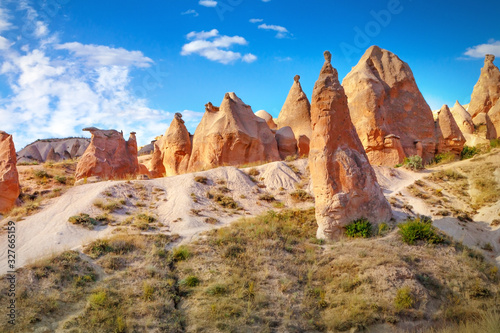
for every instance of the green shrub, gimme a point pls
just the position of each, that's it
(444, 158)
(191, 281)
(495, 143)
(181, 253)
(61, 179)
(301, 196)
(225, 201)
(419, 228)
(83, 220)
(267, 197)
(359, 228)
(217, 290)
(41, 174)
(468, 152)
(98, 248)
(414, 162)
(404, 299)
(253, 172)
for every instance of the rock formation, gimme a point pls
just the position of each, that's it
(344, 183)
(384, 99)
(296, 112)
(9, 178)
(108, 156)
(486, 91)
(53, 150)
(287, 144)
(493, 123)
(268, 118)
(176, 147)
(231, 135)
(303, 143)
(463, 118)
(448, 134)
(155, 167)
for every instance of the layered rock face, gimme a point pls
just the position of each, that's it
(384, 100)
(296, 112)
(463, 118)
(486, 91)
(448, 134)
(9, 178)
(231, 135)
(53, 150)
(268, 118)
(344, 183)
(108, 156)
(176, 147)
(287, 144)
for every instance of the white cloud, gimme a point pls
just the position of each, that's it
(100, 55)
(282, 32)
(56, 94)
(479, 51)
(215, 47)
(4, 21)
(255, 20)
(41, 29)
(266, 0)
(4, 43)
(208, 3)
(190, 12)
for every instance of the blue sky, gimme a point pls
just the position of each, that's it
(130, 65)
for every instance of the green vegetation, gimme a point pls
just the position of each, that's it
(413, 163)
(420, 228)
(468, 152)
(359, 228)
(301, 196)
(404, 299)
(84, 220)
(443, 158)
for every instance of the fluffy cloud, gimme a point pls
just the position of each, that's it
(479, 51)
(255, 20)
(282, 32)
(190, 12)
(208, 3)
(215, 47)
(56, 89)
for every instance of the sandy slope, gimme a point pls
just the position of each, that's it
(48, 231)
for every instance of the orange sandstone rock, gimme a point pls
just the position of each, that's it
(296, 112)
(176, 147)
(449, 136)
(344, 183)
(9, 178)
(287, 144)
(463, 118)
(486, 91)
(268, 118)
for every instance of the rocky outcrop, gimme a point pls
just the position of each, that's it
(296, 112)
(9, 178)
(486, 91)
(287, 144)
(344, 183)
(155, 166)
(268, 118)
(448, 134)
(177, 147)
(53, 150)
(303, 143)
(231, 135)
(493, 123)
(384, 100)
(147, 149)
(463, 118)
(108, 156)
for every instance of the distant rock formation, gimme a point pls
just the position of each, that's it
(109, 156)
(493, 125)
(463, 118)
(384, 100)
(486, 91)
(9, 178)
(231, 135)
(448, 134)
(147, 149)
(53, 150)
(287, 144)
(177, 147)
(296, 112)
(155, 166)
(268, 118)
(344, 183)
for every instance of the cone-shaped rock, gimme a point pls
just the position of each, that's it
(176, 147)
(384, 99)
(9, 178)
(53, 156)
(267, 117)
(486, 91)
(231, 135)
(449, 136)
(296, 112)
(108, 156)
(344, 183)
(155, 165)
(287, 144)
(463, 118)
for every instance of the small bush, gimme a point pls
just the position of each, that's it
(181, 253)
(211, 220)
(495, 143)
(468, 152)
(191, 281)
(267, 197)
(83, 220)
(201, 180)
(420, 228)
(444, 158)
(359, 228)
(40, 174)
(225, 201)
(414, 163)
(98, 248)
(404, 299)
(253, 172)
(301, 196)
(147, 291)
(217, 290)
(61, 179)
